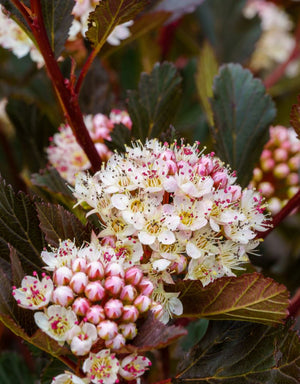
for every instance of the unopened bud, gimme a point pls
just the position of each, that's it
(107, 329)
(292, 179)
(116, 343)
(257, 174)
(267, 164)
(294, 163)
(63, 295)
(113, 309)
(94, 291)
(62, 276)
(114, 285)
(157, 310)
(180, 265)
(146, 287)
(281, 171)
(79, 264)
(128, 330)
(114, 269)
(266, 188)
(280, 155)
(142, 303)
(95, 314)
(80, 306)
(128, 293)
(78, 282)
(130, 313)
(133, 275)
(95, 270)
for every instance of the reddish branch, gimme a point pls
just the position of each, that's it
(279, 71)
(281, 215)
(66, 95)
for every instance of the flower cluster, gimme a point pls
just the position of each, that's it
(277, 175)
(181, 206)
(92, 300)
(14, 38)
(79, 26)
(66, 155)
(277, 41)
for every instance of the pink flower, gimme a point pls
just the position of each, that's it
(113, 309)
(102, 367)
(117, 342)
(80, 306)
(63, 295)
(107, 329)
(94, 291)
(81, 338)
(95, 314)
(79, 282)
(134, 366)
(114, 285)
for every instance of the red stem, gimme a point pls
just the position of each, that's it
(84, 70)
(281, 215)
(279, 71)
(68, 99)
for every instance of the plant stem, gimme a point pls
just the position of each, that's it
(68, 99)
(279, 71)
(293, 203)
(84, 70)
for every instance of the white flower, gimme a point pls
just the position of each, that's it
(62, 256)
(68, 378)
(56, 321)
(81, 338)
(169, 301)
(205, 269)
(134, 366)
(34, 294)
(102, 367)
(121, 32)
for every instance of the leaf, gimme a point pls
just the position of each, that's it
(33, 128)
(152, 107)
(207, 68)
(153, 334)
(295, 117)
(16, 267)
(196, 330)
(14, 13)
(177, 8)
(249, 297)
(19, 226)
(243, 353)
(59, 224)
(107, 15)
(14, 369)
(242, 115)
(58, 19)
(50, 179)
(120, 136)
(54, 368)
(217, 17)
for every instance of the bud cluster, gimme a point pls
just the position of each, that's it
(181, 207)
(277, 174)
(67, 156)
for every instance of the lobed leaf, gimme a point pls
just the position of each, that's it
(152, 108)
(243, 353)
(242, 114)
(50, 179)
(120, 136)
(295, 117)
(219, 16)
(249, 297)
(107, 15)
(58, 19)
(207, 68)
(59, 224)
(19, 227)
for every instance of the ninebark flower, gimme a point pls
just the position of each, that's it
(102, 367)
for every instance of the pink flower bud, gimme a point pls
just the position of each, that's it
(114, 269)
(266, 154)
(130, 313)
(114, 285)
(62, 276)
(220, 179)
(80, 306)
(94, 291)
(113, 308)
(267, 164)
(108, 240)
(133, 276)
(292, 179)
(281, 171)
(266, 188)
(280, 155)
(235, 191)
(142, 303)
(78, 282)
(128, 330)
(128, 294)
(95, 270)
(157, 310)
(107, 329)
(146, 287)
(95, 314)
(116, 343)
(294, 163)
(180, 265)
(63, 295)
(257, 174)
(79, 264)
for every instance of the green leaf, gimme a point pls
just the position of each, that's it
(14, 370)
(242, 115)
(19, 227)
(243, 353)
(50, 180)
(120, 136)
(59, 224)
(152, 108)
(196, 330)
(58, 19)
(295, 117)
(230, 33)
(207, 68)
(249, 297)
(33, 128)
(107, 15)
(54, 368)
